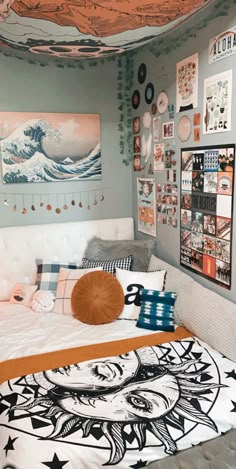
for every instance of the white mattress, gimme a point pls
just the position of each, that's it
(24, 332)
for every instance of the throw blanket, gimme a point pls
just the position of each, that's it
(122, 410)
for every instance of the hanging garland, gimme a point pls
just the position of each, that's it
(23, 203)
(81, 64)
(125, 74)
(170, 42)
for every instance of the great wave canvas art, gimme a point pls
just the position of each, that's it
(47, 147)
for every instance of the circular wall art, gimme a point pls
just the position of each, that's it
(142, 73)
(135, 99)
(147, 120)
(149, 93)
(162, 102)
(184, 128)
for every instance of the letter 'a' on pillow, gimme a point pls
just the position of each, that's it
(132, 284)
(157, 310)
(109, 266)
(104, 249)
(97, 298)
(67, 279)
(22, 294)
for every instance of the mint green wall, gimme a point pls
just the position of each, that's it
(27, 87)
(161, 72)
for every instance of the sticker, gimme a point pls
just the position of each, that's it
(197, 119)
(171, 111)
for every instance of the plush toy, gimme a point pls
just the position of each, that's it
(43, 301)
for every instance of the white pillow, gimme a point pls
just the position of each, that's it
(132, 283)
(176, 281)
(67, 279)
(212, 318)
(22, 294)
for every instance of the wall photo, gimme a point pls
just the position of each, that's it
(217, 103)
(187, 83)
(146, 206)
(47, 147)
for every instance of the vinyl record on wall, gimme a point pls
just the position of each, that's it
(149, 93)
(142, 73)
(136, 99)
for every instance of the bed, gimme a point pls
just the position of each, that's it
(76, 395)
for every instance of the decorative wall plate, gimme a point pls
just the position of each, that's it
(184, 128)
(162, 102)
(149, 93)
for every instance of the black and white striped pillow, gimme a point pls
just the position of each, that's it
(109, 266)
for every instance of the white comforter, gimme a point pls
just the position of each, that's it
(24, 332)
(80, 416)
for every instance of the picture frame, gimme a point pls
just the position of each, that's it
(168, 130)
(50, 147)
(206, 211)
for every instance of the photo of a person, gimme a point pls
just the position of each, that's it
(136, 125)
(137, 144)
(137, 163)
(146, 205)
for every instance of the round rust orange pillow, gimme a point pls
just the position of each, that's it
(97, 298)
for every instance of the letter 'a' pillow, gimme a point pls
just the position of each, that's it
(132, 284)
(97, 298)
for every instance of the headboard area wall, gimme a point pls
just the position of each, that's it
(21, 245)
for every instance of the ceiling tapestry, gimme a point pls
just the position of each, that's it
(88, 28)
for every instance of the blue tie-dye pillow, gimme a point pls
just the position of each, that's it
(157, 310)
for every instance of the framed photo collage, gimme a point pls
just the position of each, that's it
(206, 185)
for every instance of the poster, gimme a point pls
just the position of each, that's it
(48, 147)
(223, 45)
(146, 205)
(206, 212)
(217, 103)
(159, 156)
(156, 129)
(187, 83)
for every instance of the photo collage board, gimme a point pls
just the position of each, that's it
(206, 220)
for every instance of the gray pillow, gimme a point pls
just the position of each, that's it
(106, 250)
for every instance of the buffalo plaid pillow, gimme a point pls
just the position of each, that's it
(109, 266)
(47, 273)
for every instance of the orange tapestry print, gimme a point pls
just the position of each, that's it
(103, 18)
